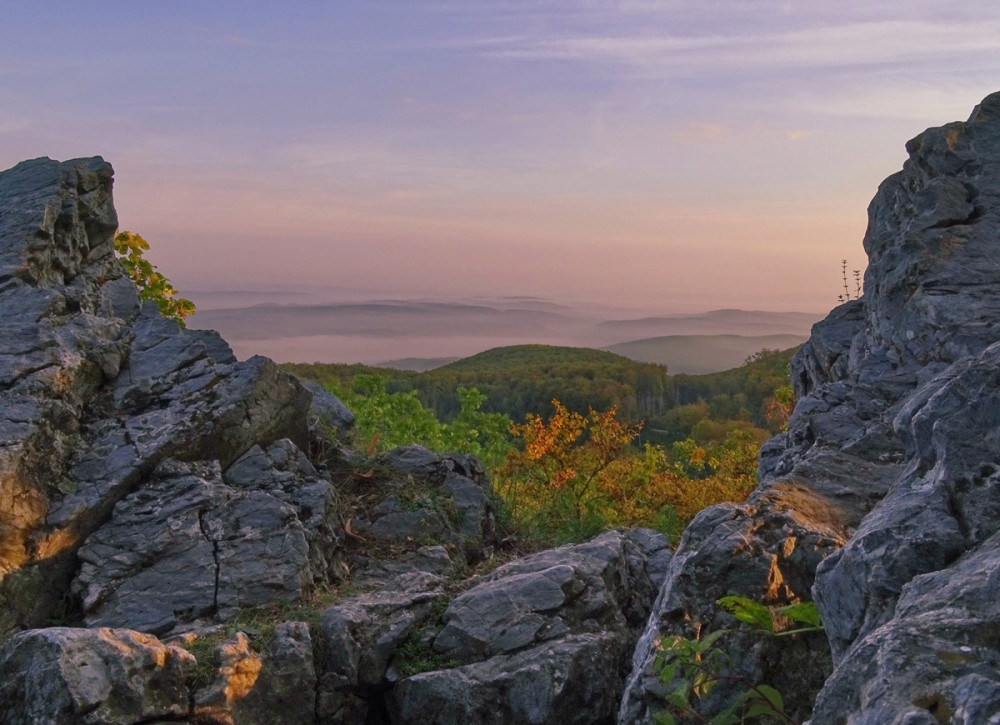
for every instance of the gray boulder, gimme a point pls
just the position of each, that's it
(272, 682)
(69, 676)
(573, 681)
(359, 638)
(529, 627)
(935, 660)
(327, 411)
(284, 689)
(188, 546)
(426, 498)
(601, 585)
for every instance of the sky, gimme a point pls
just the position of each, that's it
(667, 155)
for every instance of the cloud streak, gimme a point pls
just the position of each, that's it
(841, 46)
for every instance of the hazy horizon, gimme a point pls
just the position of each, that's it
(377, 331)
(214, 299)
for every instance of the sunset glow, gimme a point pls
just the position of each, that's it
(671, 156)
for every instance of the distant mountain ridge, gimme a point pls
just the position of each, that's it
(714, 322)
(698, 354)
(416, 334)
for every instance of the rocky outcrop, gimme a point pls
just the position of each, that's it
(359, 638)
(97, 392)
(881, 500)
(543, 639)
(263, 532)
(426, 498)
(575, 680)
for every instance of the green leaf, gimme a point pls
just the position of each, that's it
(710, 639)
(757, 710)
(803, 613)
(772, 696)
(664, 718)
(726, 717)
(702, 685)
(748, 611)
(669, 671)
(679, 697)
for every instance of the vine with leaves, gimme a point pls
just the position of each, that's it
(152, 285)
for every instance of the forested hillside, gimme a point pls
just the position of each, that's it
(525, 379)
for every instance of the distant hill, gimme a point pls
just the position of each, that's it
(416, 364)
(523, 379)
(715, 322)
(700, 354)
(515, 356)
(383, 319)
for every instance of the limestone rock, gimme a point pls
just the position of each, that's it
(584, 588)
(79, 676)
(936, 659)
(546, 637)
(285, 687)
(251, 544)
(573, 681)
(239, 668)
(359, 638)
(428, 499)
(327, 410)
(97, 390)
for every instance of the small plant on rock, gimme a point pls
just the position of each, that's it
(848, 295)
(692, 668)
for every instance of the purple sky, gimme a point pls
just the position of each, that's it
(677, 156)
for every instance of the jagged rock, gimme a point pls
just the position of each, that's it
(284, 691)
(653, 554)
(885, 484)
(78, 676)
(249, 544)
(56, 338)
(431, 498)
(359, 638)
(429, 559)
(529, 627)
(239, 668)
(572, 681)
(96, 390)
(766, 550)
(935, 660)
(601, 585)
(327, 409)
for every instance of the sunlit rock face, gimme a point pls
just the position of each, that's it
(882, 500)
(67, 676)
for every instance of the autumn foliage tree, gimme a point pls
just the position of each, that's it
(574, 475)
(563, 471)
